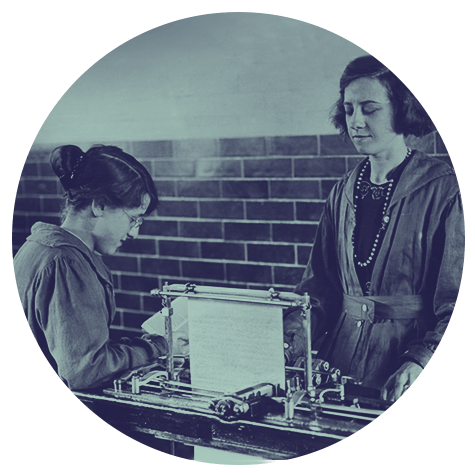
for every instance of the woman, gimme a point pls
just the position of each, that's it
(65, 288)
(386, 263)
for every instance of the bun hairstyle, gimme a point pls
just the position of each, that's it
(105, 174)
(409, 117)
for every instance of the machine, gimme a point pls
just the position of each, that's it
(313, 406)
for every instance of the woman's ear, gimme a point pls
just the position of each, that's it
(97, 208)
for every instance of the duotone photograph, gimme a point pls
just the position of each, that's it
(238, 239)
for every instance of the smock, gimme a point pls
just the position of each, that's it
(67, 295)
(414, 284)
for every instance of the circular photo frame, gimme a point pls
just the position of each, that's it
(299, 270)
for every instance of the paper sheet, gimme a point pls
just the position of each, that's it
(235, 345)
(156, 323)
(211, 455)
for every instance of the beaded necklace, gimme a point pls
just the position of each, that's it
(384, 191)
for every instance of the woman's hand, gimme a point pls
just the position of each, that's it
(400, 381)
(181, 344)
(158, 341)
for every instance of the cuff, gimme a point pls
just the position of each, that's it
(419, 355)
(155, 347)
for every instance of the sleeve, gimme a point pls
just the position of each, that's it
(320, 280)
(72, 310)
(448, 265)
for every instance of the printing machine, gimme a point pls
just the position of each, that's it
(315, 408)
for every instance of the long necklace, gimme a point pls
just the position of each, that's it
(384, 191)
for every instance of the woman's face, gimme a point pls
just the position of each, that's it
(369, 117)
(114, 226)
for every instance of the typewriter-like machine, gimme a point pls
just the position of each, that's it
(315, 407)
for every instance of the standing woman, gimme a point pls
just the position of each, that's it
(386, 263)
(65, 289)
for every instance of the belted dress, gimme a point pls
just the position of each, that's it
(414, 284)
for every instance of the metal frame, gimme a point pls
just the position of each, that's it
(269, 297)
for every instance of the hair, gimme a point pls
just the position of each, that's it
(104, 174)
(409, 117)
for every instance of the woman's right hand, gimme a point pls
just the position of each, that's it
(400, 381)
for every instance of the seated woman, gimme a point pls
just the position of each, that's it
(66, 290)
(386, 264)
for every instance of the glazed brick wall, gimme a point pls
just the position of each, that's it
(235, 212)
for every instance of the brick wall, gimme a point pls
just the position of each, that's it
(238, 212)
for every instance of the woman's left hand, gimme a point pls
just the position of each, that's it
(400, 381)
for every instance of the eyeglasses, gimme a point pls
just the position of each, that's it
(137, 222)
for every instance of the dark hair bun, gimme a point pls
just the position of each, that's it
(65, 160)
(104, 173)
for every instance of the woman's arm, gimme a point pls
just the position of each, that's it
(73, 309)
(449, 262)
(320, 281)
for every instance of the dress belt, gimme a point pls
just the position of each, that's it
(384, 307)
